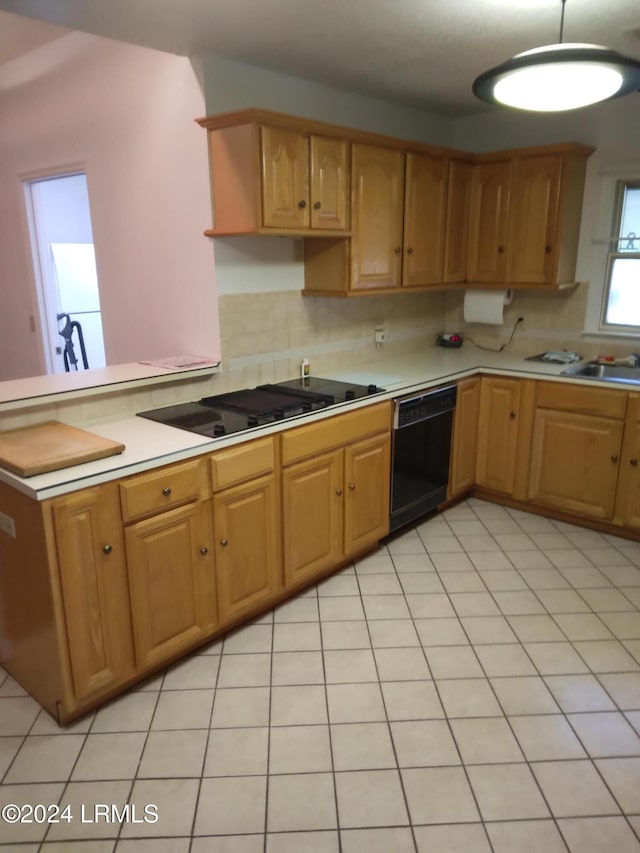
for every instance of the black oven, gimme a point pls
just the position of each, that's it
(422, 428)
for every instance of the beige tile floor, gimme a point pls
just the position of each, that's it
(473, 686)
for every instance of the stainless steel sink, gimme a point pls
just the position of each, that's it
(604, 372)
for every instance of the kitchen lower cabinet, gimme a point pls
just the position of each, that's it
(247, 532)
(504, 421)
(627, 509)
(575, 449)
(464, 441)
(313, 514)
(171, 577)
(335, 490)
(90, 554)
(367, 466)
(574, 462)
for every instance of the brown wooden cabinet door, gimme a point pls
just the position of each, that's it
(171, 577)
(367, 487)
(313, 511)
(93, 576)
(425, 208)
(488, 221)
(285, 178)
(377, 211)
(627, 510)
(574, 462)
(498, 433)
(534, 219)
(457, 222)
(464, 442)
(247, 534)
(330, 183)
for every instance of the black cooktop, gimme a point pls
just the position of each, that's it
(225, 414)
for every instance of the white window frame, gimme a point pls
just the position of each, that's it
(610, 178)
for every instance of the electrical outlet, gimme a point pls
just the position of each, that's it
(379, 336)
(7, 525)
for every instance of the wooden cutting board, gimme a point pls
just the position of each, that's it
(52, 445)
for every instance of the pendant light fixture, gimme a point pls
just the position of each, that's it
(559, 77)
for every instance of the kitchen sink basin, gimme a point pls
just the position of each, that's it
(604, 372)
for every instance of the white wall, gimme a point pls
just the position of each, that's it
(125, 115)
(259, 264)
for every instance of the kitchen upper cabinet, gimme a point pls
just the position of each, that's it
(525, 214)
(575, 449)
(305, 181)
(488, 221)
(464, 442)
(285, 178)
(172, 582)
(399, 226)
(330, 183)
(377, 217)
(457, 222)
(533, 228)
(504, 430)
(272, 179)
(89, 545)
(425, 211)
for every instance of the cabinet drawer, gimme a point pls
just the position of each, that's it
(575, 398)
(243, 462)
(164, 489)
(333, 432)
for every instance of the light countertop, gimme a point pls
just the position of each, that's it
(149, 444)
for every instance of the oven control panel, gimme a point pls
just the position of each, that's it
(424, 406)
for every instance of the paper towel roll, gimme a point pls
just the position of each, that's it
(486, 306)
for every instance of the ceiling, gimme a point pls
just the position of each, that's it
(424, 53)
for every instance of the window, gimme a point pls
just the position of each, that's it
(621, 303)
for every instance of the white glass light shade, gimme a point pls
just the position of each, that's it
(559, 77)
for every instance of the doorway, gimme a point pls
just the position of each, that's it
(65, 272)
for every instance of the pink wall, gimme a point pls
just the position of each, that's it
(126, 115)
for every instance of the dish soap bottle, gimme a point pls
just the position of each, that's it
(305, 369)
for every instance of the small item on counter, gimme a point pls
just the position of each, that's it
(305, 368)
(453, 340)
(561, 356)
(632, 360)
(606, 359)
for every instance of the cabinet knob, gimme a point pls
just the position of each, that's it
(204, 551)
(410, 251)
(614, 457)
(501, 250)
(547, 249)
(512, 415)
(107, 549)
(302, 203)
(317, 205)
(352, 486)
(397, 250)
(224, 542)
(166, 491)
(634, 462)
(338, 492)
